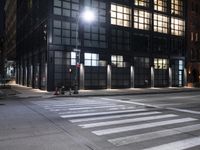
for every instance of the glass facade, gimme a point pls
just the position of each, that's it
(177, 7)
(135, 42)
(121, 15)
(177, 26)
(142, 19)
(160, 5)
(161, 23)
(144, 3)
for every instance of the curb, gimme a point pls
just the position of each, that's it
(121, 94)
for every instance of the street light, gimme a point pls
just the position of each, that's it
(87, 16)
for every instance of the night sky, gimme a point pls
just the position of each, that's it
(1, 16)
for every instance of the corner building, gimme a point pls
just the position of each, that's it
(131, 43)
(193, 43)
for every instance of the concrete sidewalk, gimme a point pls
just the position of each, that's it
(27, 92)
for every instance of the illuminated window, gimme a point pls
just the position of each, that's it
(160, 23)
(161, 63)
(73, 58)
(192, 36)
(141, 19)
(177, 7)
(117, 60)
(160, 5)
(144, 3)
(91, 59)
(120, 15)
(196, 37)
(177, 27)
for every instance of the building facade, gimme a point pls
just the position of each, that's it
(193, 43)
(2, 56)
(10, 37)
(131, 43)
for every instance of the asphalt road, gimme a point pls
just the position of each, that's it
(148, 122)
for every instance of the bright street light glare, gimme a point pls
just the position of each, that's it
(88, 15)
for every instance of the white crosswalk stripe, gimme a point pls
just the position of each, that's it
(113, 120)
(153, 135)
(178, 145)
(114, 116)
(141, 126)
(107, 123)
(101, 113)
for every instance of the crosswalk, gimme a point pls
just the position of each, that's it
(124, 124)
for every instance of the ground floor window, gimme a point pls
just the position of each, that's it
(142, 75)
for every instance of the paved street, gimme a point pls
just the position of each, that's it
(129, 122)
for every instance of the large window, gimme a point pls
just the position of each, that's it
(177, 7)
(160, 23)
(141, 19)
(91, 59)
(120, 39)
(117, 60)
(69, 8)
(144, 3)
(161, 63)
(160, 5)
(142, 71)
(64, 32)
(177, 26)
(120, 15)
(72, 57)
(100, 9)
(95, 36)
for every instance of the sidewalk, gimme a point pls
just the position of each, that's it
(27, 92)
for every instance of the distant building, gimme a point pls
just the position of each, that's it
(138, 43)
(10, 36)
(2, 45)
(193, 42)
(2, 57)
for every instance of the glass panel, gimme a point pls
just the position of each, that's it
(120, 15)
(141, 19)
(177, 7)
(160, 23)
(88, 55)
(177, 27)
(73, 54)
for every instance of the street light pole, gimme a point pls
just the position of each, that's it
(88, 16)
(78, 52)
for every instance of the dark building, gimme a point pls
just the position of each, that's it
(2, 57)
(193, 42)
(2, 17)
(2, 48)
(131, 43)
(10, 29)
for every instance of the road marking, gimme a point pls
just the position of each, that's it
(183, 97)
(154, 106)
(184, 110)
(78, 105)
(178, 145)
(153, 135)
(96, 107)
(88, 108)
(141, 126)
(101, 113)
(130, 102)
(115, 116)
(132, 120)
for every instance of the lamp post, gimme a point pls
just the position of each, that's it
(87, 16)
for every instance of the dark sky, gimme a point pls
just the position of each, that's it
(1, 16)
